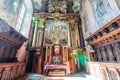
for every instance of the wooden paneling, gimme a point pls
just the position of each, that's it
(10, 71)
(106, 41)
(104, 71)
(10, 42)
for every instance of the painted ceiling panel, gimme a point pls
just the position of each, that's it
(41, 5)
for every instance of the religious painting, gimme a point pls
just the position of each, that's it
(9, 10)
(56, 32)
(86, 23)
(73, 37)
(103, 12)
(12, 6)
(57, 49)
(100, 8)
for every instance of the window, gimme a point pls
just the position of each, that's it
(20, 19)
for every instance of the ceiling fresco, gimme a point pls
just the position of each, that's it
(41, 5)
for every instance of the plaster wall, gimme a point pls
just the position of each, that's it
(9, 11)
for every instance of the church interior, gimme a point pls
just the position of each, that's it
(59, 39)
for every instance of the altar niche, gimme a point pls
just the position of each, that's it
(57, 56)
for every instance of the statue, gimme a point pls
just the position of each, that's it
(63, 7)
(51, 8)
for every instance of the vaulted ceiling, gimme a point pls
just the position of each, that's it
(41, 5)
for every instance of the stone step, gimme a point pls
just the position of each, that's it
(56, 73)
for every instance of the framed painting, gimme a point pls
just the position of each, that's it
(56, 49)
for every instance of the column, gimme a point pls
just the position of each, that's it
(66, 53)
(72, 30)
(98, 54)
(35, 35)
(69, 40)
(50, 56)
(117, 51)
(46, 53)
(103, 52)
(41, 34)
(77, 35)
(110, 53)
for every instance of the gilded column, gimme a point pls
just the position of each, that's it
(46, 53)
(63, 53)
(67, 52)
(39, 35)
(69, 40)
(72, 30)
(77, 35)
(34, 36)
(50, 56)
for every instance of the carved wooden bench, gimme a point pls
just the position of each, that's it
(10, 71)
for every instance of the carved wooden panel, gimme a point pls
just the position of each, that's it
(113, 73)
(6, 73)
(118, 69)
(39, 61)
(10, 42)
(1, 72)
(104, 72)
(11, 71)
(109, 38)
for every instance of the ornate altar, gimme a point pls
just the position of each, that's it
(61, 31)
(56, 37)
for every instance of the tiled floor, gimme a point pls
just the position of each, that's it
(77, 76)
